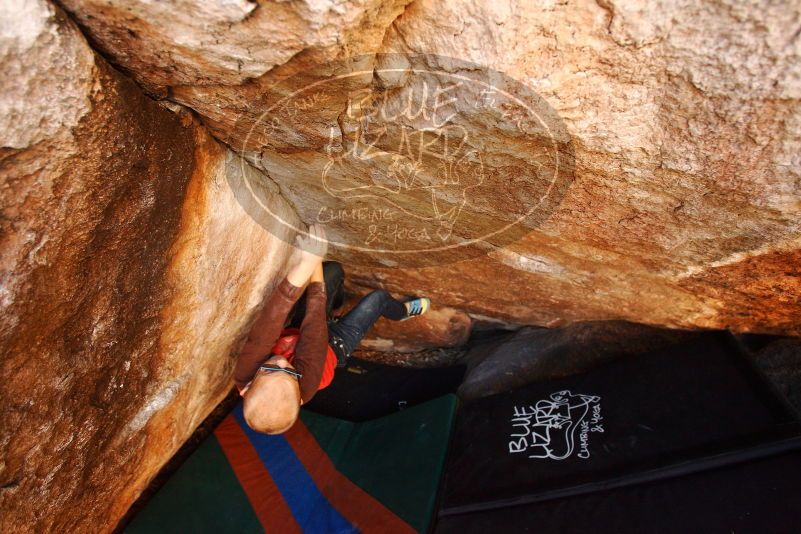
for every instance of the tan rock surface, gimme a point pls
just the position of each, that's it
(683, 120)
(123, 294)
(646, 151)
(228, 42)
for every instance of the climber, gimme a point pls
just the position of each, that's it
(284, 363)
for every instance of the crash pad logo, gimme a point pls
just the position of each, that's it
(407, 158)
(556, 428)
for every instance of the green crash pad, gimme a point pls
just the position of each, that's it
(396, 459)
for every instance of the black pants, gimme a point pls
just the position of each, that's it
(346, 333)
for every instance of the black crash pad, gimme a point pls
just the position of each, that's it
(687, 409)
(365, 390)
(755, 497)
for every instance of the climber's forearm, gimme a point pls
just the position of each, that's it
(317, 275)
(300, 273)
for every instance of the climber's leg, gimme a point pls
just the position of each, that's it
(353, 326)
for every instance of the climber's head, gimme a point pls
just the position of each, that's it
(272, 401)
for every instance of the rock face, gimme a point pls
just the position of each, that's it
(123, 294)
(539, 354)
(525, 162)
(781, 362)
(228, 42)
(656, 143)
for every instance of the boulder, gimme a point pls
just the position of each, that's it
(530, 163)
(780, 361)
(589, 160)
(227, 42)
(123, 295)
(532, 354)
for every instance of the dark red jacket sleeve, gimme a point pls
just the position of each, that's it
(312, 347)
(266, 331)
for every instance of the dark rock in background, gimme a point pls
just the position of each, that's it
(536, 354)
(780, 360)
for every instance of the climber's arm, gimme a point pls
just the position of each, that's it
(266, 330)
(312, 347)
(270, 322)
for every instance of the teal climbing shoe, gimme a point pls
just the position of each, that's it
(416, 307)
